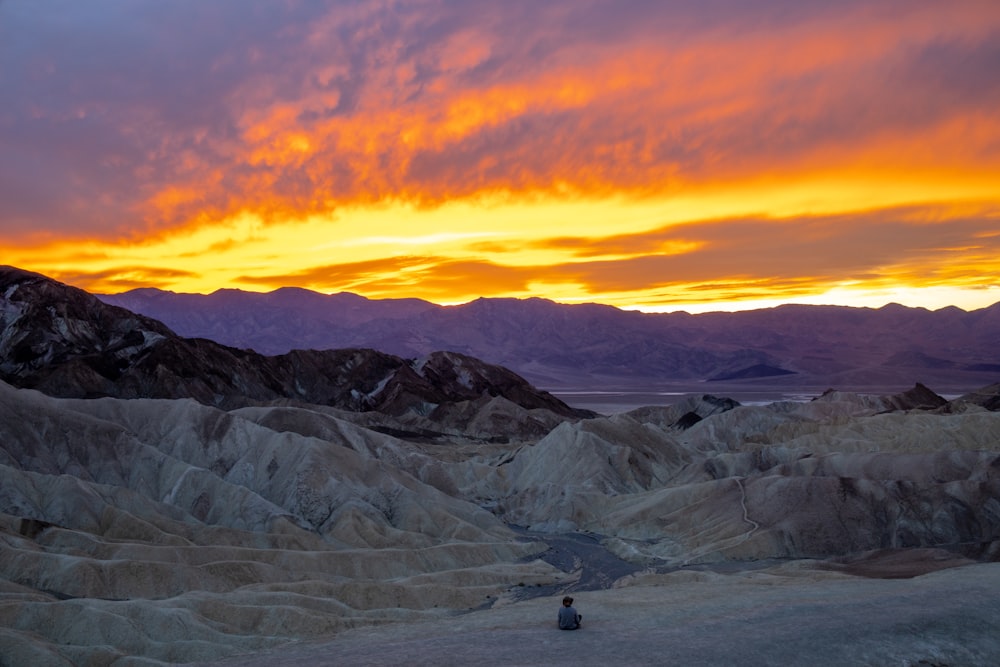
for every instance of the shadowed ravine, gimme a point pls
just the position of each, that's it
(596, 568)
(576, 553)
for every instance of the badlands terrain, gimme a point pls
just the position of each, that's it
(170, 500)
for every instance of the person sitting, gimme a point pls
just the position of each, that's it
(568, 618)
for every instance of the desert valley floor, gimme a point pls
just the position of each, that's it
(166, 500)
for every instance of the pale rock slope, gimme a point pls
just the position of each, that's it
(754, 483)
(785, 615)
(212, 533)
(144, 531)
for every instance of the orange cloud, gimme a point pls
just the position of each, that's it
(648, 115)
(825, 123)
(118, 279)
(902, 244)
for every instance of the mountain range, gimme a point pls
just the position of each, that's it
(65, 342)
(167, 500)
(590, 346)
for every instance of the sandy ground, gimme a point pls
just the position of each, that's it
(785, 616)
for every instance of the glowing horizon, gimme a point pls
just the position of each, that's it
(648, 157)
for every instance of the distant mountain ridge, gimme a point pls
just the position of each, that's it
(558, 345)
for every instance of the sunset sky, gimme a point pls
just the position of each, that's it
(711, 155)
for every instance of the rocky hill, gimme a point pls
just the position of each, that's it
(559, 346)
(65, 342)
(150, 513)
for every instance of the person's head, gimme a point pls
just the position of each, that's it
(567, 601)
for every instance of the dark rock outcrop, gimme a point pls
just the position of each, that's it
(918, 398)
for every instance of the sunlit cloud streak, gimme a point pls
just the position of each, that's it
(745, 258)
(128, 124)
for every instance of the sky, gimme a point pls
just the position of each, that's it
(648, 154)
